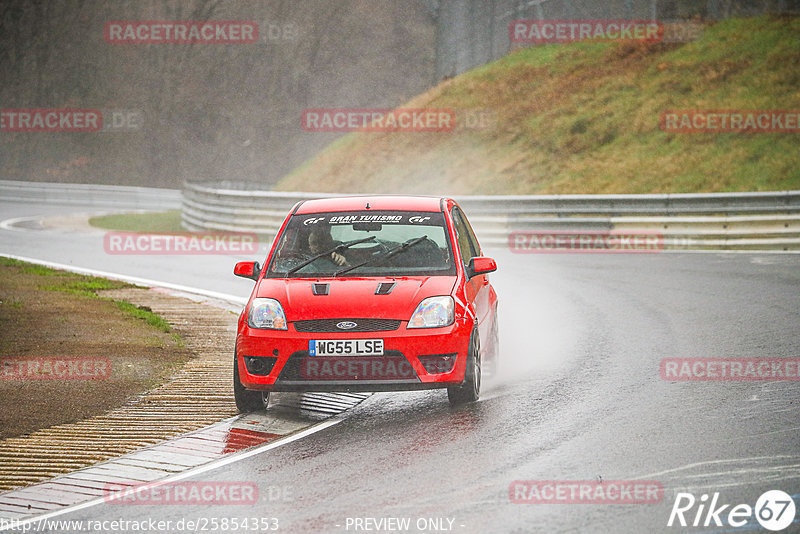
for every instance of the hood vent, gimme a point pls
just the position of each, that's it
(384, 288)
(320, 289)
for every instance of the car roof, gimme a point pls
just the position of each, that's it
(376, 202)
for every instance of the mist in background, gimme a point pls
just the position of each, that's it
(214, 112)
(200, 111)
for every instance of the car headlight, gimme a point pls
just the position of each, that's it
(433, 312)
(266, 313)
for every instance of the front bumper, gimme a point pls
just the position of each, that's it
(274, 360)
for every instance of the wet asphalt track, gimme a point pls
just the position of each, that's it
(579, 397)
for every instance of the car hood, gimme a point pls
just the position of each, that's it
(353, 297)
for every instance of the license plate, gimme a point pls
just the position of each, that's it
(345, 347)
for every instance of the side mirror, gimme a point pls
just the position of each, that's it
(247, 269)
(481, 265)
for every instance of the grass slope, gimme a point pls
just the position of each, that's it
(45, 313)
(154, 222)
(584, 118)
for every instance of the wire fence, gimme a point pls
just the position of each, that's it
(474, 32)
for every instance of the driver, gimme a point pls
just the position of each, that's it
(320, 240)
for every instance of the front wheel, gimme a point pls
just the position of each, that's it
(491, 366)
(247, 401)
(470, 390)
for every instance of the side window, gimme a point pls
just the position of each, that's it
(465, 245)
(473, 241)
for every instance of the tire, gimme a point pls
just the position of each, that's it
(247, 401)
(492, 363)
(470, 390)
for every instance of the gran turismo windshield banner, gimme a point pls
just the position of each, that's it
(381, 217)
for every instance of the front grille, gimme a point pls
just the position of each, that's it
(362, 325)
(396, 366)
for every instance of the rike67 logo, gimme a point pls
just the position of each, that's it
(774, 510)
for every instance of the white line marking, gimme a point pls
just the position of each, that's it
(196, 471)
(131, 279)
(713, 462)
(8, 224)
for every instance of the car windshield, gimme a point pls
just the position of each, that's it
(363, 243)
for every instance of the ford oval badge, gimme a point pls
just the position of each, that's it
(346, 325)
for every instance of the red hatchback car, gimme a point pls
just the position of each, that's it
(380, 293)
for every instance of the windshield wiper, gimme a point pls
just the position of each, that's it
(392, 252)
(337, 248)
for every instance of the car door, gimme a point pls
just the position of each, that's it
(478, 286)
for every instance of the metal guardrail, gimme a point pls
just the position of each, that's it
(114, 196)
(728, 221)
